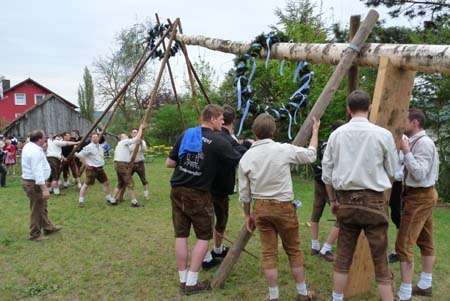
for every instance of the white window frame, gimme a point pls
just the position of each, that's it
(20, 104)
(35, 95)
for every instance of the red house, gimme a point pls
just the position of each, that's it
(17, 99)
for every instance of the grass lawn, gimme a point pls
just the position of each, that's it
(124, 253)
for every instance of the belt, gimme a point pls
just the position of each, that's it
(360, 190)
(271, 201)
(26, 180)
(419, 188)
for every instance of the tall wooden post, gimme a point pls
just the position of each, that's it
(353, 73)
(390, 104)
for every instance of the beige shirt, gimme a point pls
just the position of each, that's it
(123, 152)
(265, 170)
(93, 154)
(422, 162)
(54, 148)
(142, 149)
(360, 155)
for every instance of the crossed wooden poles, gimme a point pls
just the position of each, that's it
(145, 57)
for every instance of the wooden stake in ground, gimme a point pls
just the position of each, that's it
(304, 133)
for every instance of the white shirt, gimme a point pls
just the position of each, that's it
(54, 148)
(359, 155)
(34, 164)
(422, 162)
(399, 171)
(93, 154)
(265, 170)
(123, 153)
(141, 153)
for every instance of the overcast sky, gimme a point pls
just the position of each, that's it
(52, 40)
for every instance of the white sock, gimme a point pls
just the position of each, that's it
(66, 183)
(79, 185)
(273, 292)
(301, 288)
(325, 248)
(56, 190)
(109, 197)
(338, 297)
(208, 257)
(425, 280)
(50, 189)
(219, 250)
(146, 193)
(81, 199)
(113, 201)
(59, 182)
(134, 201)
(183, 276)
(315, 244)
(405, 291)
(192, 278)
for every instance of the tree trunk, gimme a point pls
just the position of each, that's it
(423, 58)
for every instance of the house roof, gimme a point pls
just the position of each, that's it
(29, 80)
(47, 98)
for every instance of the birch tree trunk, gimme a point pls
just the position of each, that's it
(423, 58)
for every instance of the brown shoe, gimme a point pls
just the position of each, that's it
(417, 291)
(314, 252)
(311, 296)
(198, 288)
(182, 287)
(328, 256)
(52, 230)
(38, 238)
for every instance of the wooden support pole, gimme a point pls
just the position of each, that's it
(336, 78)
(232, 256)
(191, 79)
(389, 110)
(148, 112)
(122, 91)
(353, 72)
(172, 82)
(352, 83)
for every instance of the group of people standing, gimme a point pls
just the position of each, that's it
(8, 157)
(357, 165)
(359, 161)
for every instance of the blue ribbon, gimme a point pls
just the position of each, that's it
(297, 71)
(304, 86)
(244, 116)
(268, 38)
(284, 60)
(239, 92)
(253, 70)
(283, 108)
(277, 114)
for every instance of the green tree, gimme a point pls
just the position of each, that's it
(86, 98)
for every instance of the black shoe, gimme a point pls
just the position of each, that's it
(393, 258)
(112, 203)
(137, 205)
(207, 265)
(221, 255)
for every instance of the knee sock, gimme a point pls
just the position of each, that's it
(405, 291)
(301, 288)
(274, 293)
(425, 280)
(81, 199)
(219, 250)
(192, 278)
(56, 190)
(338, 297)
(208, 257)
(315, 244)
(146, 193)
(325, 248)
(183, 276)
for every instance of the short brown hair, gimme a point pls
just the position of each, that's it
(264, 126)
(228, 114)
(359, 101)
(337, 123)
(36, 135)
(416, 114)
(211, 111)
